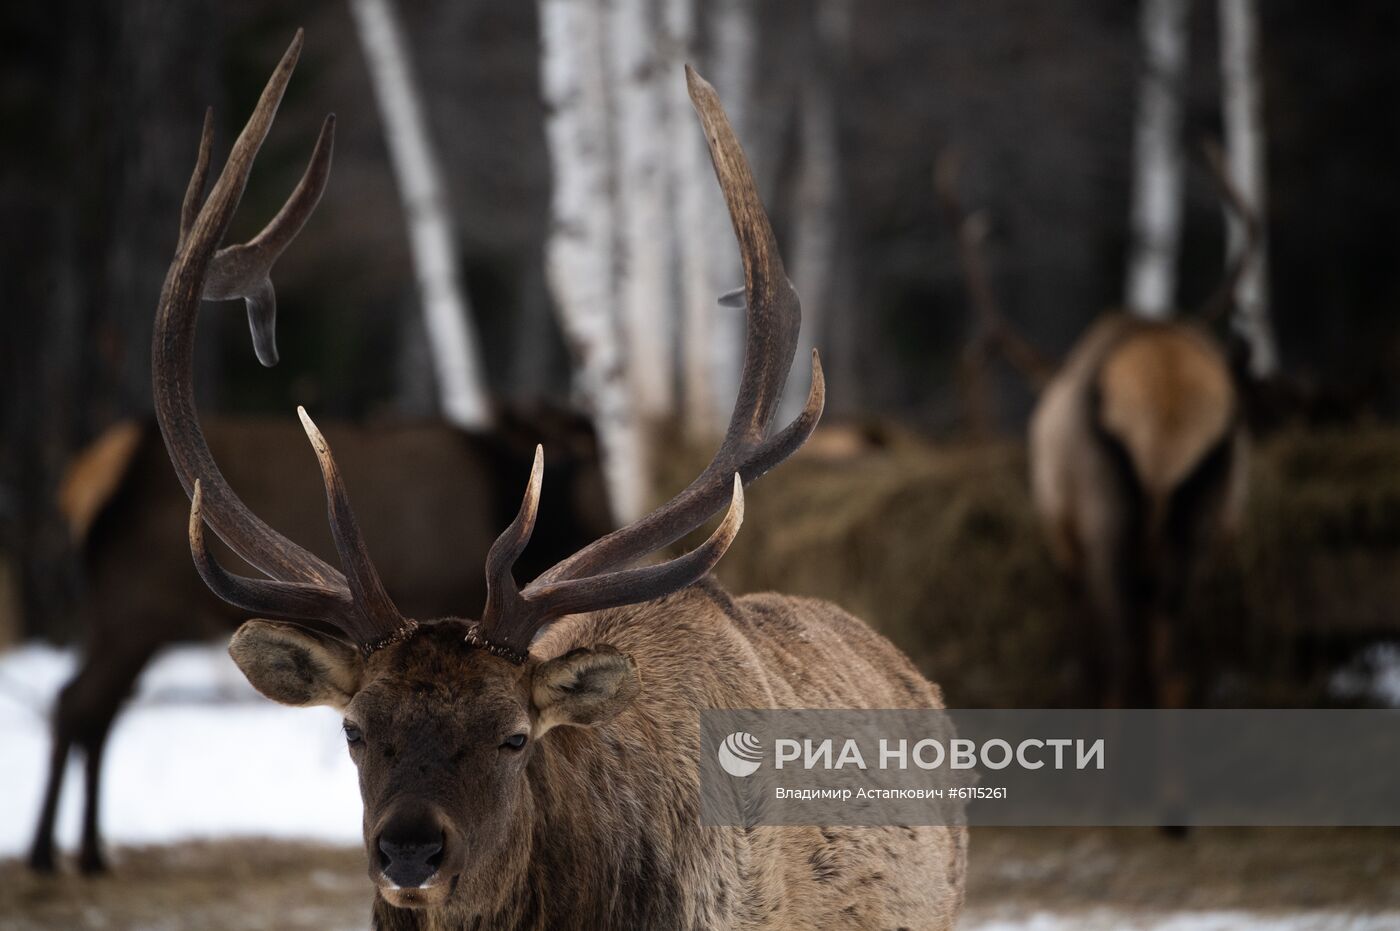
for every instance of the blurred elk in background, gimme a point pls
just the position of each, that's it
(1137, 460)
(434, 495)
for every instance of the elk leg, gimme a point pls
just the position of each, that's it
(1112, 653)
(1169, 682)
(83, 717)
(114, 677)
(90, 859)
(1170, 689)
(41, 858)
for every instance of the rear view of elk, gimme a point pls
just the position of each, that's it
(1137, 460)
(535, 767)
(1137, 471)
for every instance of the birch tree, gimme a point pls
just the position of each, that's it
(1158, 159)
(579, 253)
(1244, 146)
(642, 196)
(447, 320)
(690, 183)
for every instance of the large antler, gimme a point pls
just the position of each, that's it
(595, 577)
(1223, 297)
(301, 585)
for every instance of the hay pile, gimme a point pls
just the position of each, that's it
(938, 548)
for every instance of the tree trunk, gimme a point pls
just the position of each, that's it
(1158, 160)
(579, 254)
(643, 146)
(694, 193)
(816, 216)
(1244, 147)
(447, 318)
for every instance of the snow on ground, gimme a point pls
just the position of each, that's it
(1374, 676)
(1113, 920)
(197, 754)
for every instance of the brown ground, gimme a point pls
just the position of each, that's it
(224, 886)
(250, 886)
(1133, 869)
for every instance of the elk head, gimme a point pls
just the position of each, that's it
(444, 717)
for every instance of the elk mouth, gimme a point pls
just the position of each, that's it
(432, 894)
(414, 859)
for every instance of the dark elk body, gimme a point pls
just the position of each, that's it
(536, 768)
(434, 495)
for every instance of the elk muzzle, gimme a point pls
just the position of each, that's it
(415, 857)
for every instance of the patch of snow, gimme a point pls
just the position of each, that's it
(30, 675)
(1374, 676)
(197, 754)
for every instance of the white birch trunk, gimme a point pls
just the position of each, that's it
(1244, 155)
(580, 251)
(694, 187)
(1158, 160)
(451, 336)
(644, 151)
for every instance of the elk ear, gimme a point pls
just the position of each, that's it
(583, 687)
(294, 666)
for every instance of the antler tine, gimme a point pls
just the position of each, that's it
(265, 597)
(194, 191)
(595, 577)
(768, 348)
(512, 617)
(375, 620)
(643, 583)
(245, 269)
(516, 618)
(500, 583)
(1223, 297)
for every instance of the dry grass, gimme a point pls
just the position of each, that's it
(937, 547)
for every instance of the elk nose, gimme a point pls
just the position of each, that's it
(409, 861)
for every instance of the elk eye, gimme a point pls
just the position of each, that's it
(513, 742)
(352, 733)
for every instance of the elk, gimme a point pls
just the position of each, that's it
(1137, 460)
(535, 767)
(126, 517)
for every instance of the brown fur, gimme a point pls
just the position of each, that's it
(1137, 467)
(1167, 397)
(597, 826)
(94, 476)
(430, 537)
